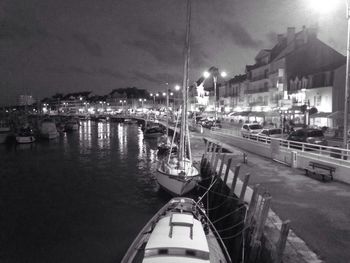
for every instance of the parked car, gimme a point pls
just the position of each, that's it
(212, 124)
(249, 129)
(267, 133)
(308, 135)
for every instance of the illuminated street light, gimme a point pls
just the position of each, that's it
(164, 94)
(322, 6)
(213, 71)
(206, 74)
(177, 87)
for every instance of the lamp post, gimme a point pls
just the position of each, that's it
(142, 101)
(213, 71)
(346, 96)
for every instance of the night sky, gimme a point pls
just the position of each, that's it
(49, 46)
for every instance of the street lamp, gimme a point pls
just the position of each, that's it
(213, 71)
(142, 100)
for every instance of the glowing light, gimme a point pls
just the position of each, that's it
(223, 74)
(206, 74)
(322, 6)
(177, 87)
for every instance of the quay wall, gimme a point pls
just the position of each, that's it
(292, 157)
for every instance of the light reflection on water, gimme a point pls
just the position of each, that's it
(81, 198)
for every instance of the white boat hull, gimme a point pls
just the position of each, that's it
(173, 180)
(25, 139)
(50, 136)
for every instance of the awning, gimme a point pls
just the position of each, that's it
(336, 115)
(257, 114)
(242, 113)
(320, 115)
(272, 114)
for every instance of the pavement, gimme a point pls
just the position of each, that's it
(319, 211)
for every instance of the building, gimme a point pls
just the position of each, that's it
(25, 100)
(296, 75)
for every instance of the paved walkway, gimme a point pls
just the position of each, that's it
(319, 211)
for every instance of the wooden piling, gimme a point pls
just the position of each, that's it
(262, 218)
(223, 156)
(281, 244)
(215, 165)
(234, 180)
(244, 187)
(228, 167)
(213, 156)
(252, 205)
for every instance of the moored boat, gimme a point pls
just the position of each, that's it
(5, 131)
(153, 131)
(165, 146)
(72, 125)
(25, 135)
(177, 174)
(179, 232)
(48, 129)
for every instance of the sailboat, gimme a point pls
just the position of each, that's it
(176, 174)
(179, 232)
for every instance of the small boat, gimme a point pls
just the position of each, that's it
(165, 146)
(179, 232)
(72, 125)
(61, 127)
(5, 131)
(153, 131)
(48, 129)
(25, 135)
(130, 121)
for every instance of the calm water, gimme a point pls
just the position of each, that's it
(80, 198)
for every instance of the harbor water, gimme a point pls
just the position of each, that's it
(82, 197)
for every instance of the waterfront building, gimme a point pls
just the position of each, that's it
(25, 100)
(299, 76)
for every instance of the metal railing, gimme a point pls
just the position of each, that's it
(322, 150)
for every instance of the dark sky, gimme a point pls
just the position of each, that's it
(49, 46)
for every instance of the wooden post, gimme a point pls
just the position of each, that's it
(252, 205)
(244, 187)
(263, 217)
(234, 179)
(217, 160)
(207, 147)
(228, 167)
(281, 244)
(255, 251)
(213, 156)
(221, 165)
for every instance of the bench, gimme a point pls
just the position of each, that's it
(321, 169)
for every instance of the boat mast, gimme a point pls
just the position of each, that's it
(183, 130)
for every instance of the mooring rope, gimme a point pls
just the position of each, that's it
(234, 211)
(216, 207)
(220, 194)
(231, 227)
(210, 186)
(235, 235)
